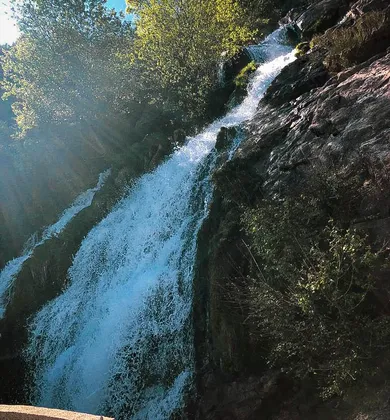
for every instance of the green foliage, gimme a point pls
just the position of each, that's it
(180, 44)
(311, 299)
(350, 45)
(70, 63)
(242, 79)
(297, 223)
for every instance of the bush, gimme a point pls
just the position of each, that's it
(310, 300)
(348, 46)
(78, 70)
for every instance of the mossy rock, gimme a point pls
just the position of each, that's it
(302, 48)
(242, 79)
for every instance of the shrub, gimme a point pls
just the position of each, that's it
(310, 300)
(348, 46)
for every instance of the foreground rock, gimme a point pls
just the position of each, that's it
(23, 412)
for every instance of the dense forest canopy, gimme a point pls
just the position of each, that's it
(77, 60)
(180, 43)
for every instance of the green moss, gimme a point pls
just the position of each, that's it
(302, 48)
(242, 79)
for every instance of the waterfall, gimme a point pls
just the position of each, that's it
(13, 267)
(265, 51)
(119, 339)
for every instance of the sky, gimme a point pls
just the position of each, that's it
(9, 31)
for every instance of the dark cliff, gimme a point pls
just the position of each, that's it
(324, 135)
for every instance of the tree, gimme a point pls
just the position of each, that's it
(69, 64)
(6, 114)
(181, 42)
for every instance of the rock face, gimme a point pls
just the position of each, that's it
(306, 73)
(320, 16)
(310, 121)
(343, 120)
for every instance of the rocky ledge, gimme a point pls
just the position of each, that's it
(22, 412)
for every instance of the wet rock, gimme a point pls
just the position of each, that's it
(301, 76)
(321, 16)
(232, 67)
(124, 177)
(291, 17)
(179, 136)
(225, 138)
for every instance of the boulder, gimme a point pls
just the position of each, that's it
(232, 67)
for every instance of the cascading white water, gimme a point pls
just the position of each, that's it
(13, 267)
(119, 339)
(264, 51)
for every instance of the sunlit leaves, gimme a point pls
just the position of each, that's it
(70, 64)
(180, 43)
